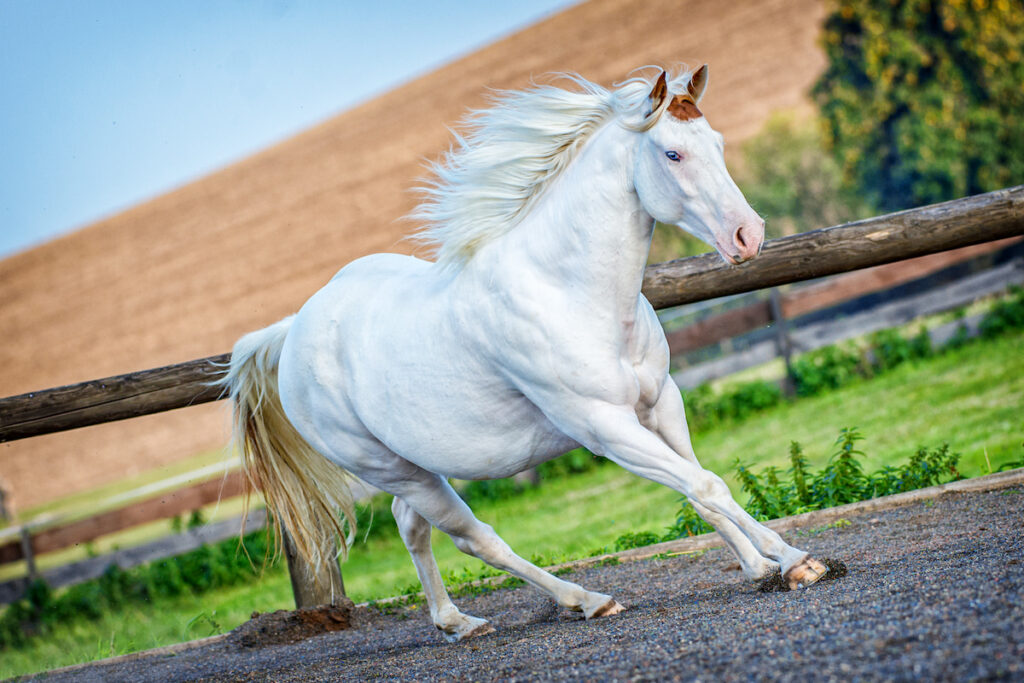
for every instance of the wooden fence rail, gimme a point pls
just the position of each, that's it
(809, 255)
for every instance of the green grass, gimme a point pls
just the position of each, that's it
(972, 397)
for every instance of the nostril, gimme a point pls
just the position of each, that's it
(738, 238)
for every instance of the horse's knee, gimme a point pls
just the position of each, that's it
(708, 488)
(480, 540)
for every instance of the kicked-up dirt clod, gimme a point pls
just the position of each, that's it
(283, 626)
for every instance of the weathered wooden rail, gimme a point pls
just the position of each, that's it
(884, 239)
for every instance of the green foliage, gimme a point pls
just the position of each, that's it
(925, 468)
(636, 540)
(827, 368)
(706, 409)
(688, 523)
(799, 473)
(922, 98)
(842, 480)
(1005, 315)
(789, 178)
(888, 349)
(204, 569)
(576, 461)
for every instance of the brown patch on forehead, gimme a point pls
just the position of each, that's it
(684, 108)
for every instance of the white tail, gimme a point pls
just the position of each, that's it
(303, 490)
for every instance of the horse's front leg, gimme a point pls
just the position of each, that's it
(668, 420)
(615, 432)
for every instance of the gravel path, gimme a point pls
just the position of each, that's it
(934, 592)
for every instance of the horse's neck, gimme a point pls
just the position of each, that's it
(589, 232)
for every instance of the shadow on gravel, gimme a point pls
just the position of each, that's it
(774, 583)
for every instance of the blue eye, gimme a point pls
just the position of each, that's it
(674, 156)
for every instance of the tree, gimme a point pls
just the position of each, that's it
(791, 180)
(923, 99)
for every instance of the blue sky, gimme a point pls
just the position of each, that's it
(106, 104)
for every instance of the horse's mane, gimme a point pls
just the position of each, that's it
(511, 151)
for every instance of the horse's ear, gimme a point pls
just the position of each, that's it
(698, 82)
(658, 93)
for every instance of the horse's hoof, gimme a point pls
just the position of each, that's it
(606, 610)
(804, 574)
(472, 627)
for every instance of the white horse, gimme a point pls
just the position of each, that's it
(528, 337)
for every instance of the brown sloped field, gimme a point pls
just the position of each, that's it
(184, 275)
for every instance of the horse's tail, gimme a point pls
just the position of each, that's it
(303, 490)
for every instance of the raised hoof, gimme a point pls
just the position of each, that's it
(606, 610)
(473, 628)
(805, 573)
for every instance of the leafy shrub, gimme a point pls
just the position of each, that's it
(706, 409)
(574, 462)
(921, 100)
(636, 540)
(1005, 315)
(827, 368)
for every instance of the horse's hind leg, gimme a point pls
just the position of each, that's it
(415, 531)
(433, 498)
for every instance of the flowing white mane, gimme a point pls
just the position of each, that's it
(510, 152)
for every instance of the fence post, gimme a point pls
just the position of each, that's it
(5, 502)
(782, 341)
(310, 589)
(27, 552)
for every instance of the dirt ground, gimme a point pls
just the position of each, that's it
(933, 592)
(186, 274)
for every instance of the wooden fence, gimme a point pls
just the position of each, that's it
(875, 241)
(830, 312)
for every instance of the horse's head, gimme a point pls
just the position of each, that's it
(680, 175)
